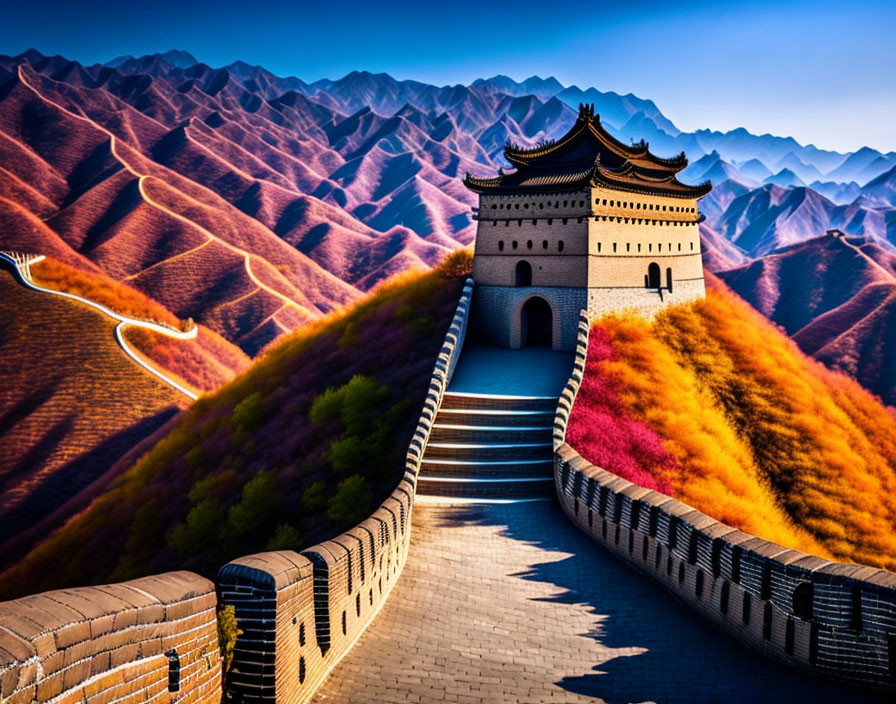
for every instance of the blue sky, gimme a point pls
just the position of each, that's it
(821, 72)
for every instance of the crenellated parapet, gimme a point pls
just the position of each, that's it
(830, 619)
(571, 390)
(301, 613)
(156, 638)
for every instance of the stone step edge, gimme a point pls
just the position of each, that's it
(454, 445)
(496, 412)
(463, 500)
(483, 480)
(495, 428)
(487, 463)
(509, 397)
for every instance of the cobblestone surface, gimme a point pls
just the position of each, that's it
(511, 603)
(531, 371)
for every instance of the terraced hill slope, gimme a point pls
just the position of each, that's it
(299, 446)
(714, 405)
(202, 363)
(836, 297)
(71, 403)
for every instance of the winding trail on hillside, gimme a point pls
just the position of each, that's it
(22, 265)
(141, 185)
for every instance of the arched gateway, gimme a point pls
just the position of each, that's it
(536, 323)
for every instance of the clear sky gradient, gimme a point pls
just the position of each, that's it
(822, 72)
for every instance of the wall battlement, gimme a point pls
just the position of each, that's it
(155, 639)
(826, 618)
(302, 612)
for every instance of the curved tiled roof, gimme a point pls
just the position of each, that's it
(588, 128)
(637, 181)
(588, 154)
(564, 177)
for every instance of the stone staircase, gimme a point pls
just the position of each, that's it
(489, 447)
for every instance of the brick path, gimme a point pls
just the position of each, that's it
(510, 603)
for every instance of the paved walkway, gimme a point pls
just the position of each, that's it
(511, 603)
(531, 371)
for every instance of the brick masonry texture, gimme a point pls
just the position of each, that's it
(645, 302)
(496, 313)
(503, 602)
(591, 249)
(299, 613)
(111, 643)
(831, 619)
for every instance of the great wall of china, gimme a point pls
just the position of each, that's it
(154, 639)
(827, 618)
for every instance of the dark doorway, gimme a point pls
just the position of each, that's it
(653, 275)
(536, 324)
(524, 273)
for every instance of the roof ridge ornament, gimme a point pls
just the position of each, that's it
(586, 112)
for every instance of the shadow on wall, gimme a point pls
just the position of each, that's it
(668, 653)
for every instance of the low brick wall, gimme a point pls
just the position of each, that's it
(151, 639)
(827, 618)
(571, 390)
(301, 613)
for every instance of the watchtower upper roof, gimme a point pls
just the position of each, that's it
(588, 154)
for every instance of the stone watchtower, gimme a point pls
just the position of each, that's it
(585, 222)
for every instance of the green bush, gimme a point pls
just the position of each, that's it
(199, 529)
(249, 413)
(326, 406)
(361, 398)
(351, 502)
(258, 503)
(286, 537)
(212, 485)
(358, 406)
(349, 453)
(314, 498)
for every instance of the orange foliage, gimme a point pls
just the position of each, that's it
(102, 289)
(204, 363)
(766, 439)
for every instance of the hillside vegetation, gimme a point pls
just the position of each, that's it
(836, 297)
(297, 448)
(102, 289)
(714, 405)
(71, 403)
(203, 363)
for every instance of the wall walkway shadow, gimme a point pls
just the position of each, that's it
(666, 653)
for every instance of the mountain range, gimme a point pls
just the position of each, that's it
(253, 203)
